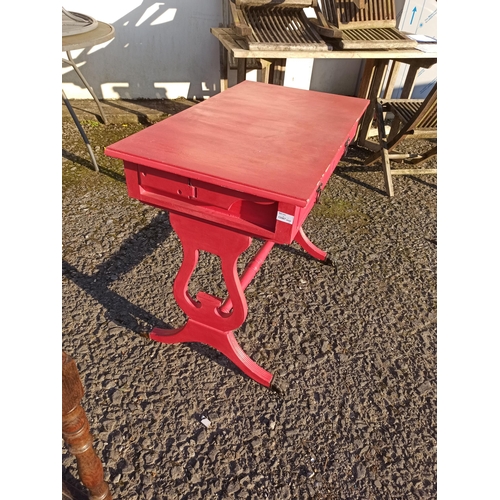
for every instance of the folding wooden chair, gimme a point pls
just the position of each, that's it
(278, 24)
(415, 118)
(364, 24)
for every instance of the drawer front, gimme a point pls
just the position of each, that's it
(251, 214)
(165, 184)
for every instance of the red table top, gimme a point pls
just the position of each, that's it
(261, 139)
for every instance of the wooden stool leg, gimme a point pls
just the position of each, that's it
(76, 432)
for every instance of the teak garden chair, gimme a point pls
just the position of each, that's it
(364, 24)
(275, 25)
(412, 118)
(279, 24)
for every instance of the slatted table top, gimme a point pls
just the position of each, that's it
(260, 139)
(236, 46)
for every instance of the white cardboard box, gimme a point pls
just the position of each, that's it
(417, 17)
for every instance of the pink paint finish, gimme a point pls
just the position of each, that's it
(249, 162)
(265, 140)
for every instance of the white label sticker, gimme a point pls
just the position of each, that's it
(285, 217)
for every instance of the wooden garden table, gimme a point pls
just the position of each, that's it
(380, 65)
(248, 162)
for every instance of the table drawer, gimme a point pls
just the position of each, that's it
(252, 214)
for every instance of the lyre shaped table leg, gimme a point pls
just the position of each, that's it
(208, 323)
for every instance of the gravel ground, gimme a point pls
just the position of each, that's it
(353, 346)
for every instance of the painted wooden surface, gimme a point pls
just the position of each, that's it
(251, 161)
(210, 321)
(259, 139)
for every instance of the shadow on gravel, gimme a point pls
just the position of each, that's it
(131, 253)
(72, 489)
(77, 159)
(304, 255)
(120, 310)
(416, 178)
(342, 172)
(356, 157)
(90, 166)
(141, 117)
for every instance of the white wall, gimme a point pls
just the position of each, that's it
(161, 49)
(165, 49)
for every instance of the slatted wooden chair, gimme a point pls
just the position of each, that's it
(279, 24)
(365, 24)
(415, 118)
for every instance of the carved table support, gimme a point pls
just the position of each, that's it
(76, 432)
(209, 321)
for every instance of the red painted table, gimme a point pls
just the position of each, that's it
(249, 162)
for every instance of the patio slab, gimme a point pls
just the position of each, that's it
(126, 111)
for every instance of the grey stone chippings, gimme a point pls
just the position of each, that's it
(352, 346)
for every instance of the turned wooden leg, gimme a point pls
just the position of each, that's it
(76, 432)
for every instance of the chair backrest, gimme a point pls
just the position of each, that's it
(366, 24)
(271, 3)
(276, 24)
(369, 13)
(426, 116)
